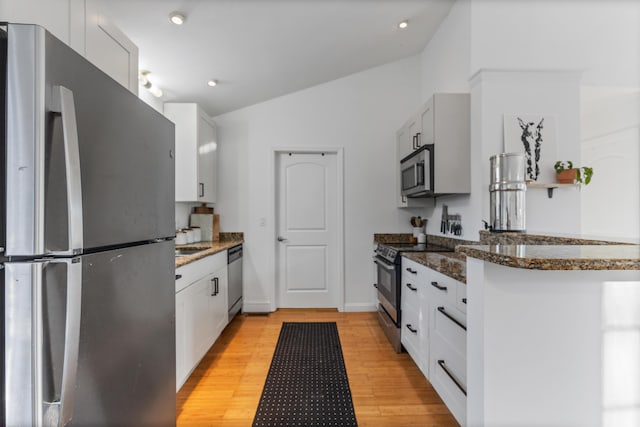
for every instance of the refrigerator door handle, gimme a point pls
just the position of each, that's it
(64, 104)
(58, 414)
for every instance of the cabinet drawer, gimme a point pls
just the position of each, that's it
(449, 325)
(411, 270)
(413, 336)
(443, 287)
(412, 294)
(448, 376)
(461, 297)
(193, 271)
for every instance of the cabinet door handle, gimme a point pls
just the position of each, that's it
(413, 331)
(454, 320)
(178, 276)
(375, 285)
(201, 190)
(464, 300)
(411, 271)
(215, 287)
(418, 139)
(414, 142)
(412, 288)
(435, 285)
(450, 375)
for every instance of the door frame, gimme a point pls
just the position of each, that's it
(339, 152)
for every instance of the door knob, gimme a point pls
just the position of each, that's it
(281, 239)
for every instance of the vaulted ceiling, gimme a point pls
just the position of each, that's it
(261, 49)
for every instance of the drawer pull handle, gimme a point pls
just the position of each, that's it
(435, 285)
(464, 300)
(412, 288)
(178, 276)
(441, 310)
(375, 285)
(450, 375)
(411, 271)
(415, 331)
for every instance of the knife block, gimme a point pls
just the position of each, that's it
(209, 225)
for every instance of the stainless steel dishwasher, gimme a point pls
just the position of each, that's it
(235, 280)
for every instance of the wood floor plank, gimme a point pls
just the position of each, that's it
(224, 390)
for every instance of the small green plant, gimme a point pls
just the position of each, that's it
(583, 174)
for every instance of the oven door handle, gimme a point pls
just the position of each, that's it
(384, 265)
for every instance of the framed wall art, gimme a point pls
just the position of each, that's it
(535, 136)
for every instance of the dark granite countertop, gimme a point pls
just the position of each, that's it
(208, 248)
(558, 257)
(450, 264)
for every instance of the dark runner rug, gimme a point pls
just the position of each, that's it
(307, 382)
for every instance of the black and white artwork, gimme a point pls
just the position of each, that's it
(533, 135)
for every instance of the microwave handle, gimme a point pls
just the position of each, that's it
(419, 171)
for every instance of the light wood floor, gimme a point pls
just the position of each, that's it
(387, 388)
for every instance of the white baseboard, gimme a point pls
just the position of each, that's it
(360, 307)
(265, 307)
(256, 307)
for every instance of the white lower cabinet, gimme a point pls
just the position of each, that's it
(414, 333)
(448, 355)
(201, 311)
(433, 308)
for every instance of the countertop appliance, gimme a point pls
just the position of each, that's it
(507, 192)
(87, 257)
(388, 259)
(416, 172)
(234, 257)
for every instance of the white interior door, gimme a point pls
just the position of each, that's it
(307, 222)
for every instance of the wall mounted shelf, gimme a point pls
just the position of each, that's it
(550, 186)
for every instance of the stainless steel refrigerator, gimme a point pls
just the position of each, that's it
(86, 229)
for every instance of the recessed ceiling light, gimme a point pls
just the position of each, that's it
(177, 18)
(212, 83)
(404, 24)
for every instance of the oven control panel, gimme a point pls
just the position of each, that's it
(386, 252)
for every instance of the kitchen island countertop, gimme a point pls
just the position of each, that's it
(557, 257)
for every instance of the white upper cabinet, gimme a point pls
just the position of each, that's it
(196, 152)
(110, 49)
(444, 121)
(408, 136)
(82, 25)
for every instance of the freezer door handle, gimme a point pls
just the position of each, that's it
(64, 104)
(28, 359)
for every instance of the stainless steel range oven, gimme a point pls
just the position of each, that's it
(388, 260)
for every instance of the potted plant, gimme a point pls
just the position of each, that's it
(567, 174)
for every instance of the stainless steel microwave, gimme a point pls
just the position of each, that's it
(416, 173)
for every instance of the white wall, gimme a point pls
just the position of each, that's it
(528, 41)
(445, 61)
(361, 113)
(445, 68)
(611, 145)
(552, 93)
(600, 37)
